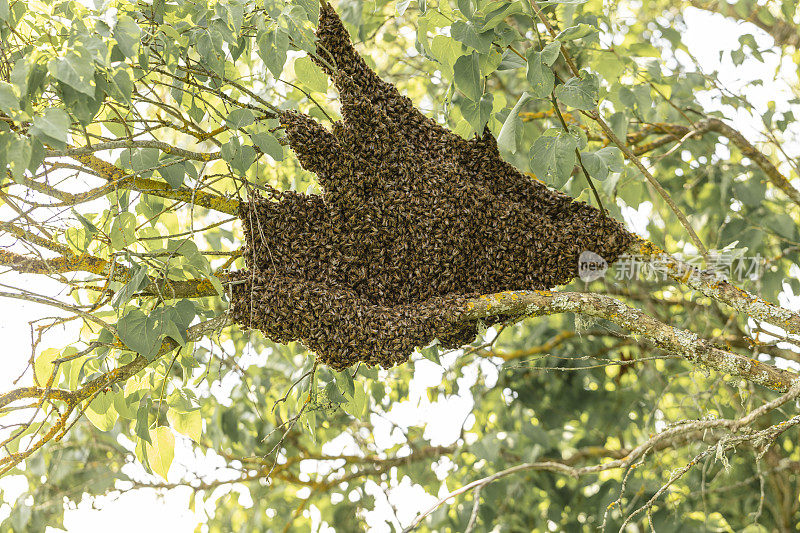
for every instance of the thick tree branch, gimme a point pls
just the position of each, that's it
(536, 303)
(676, 132)
(675, 340)
(157, 188)
(165, 288)
(125, 143)
(706, 282)
(34, 239)
(721, 290)
(57, 265)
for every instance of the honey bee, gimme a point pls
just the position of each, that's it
(413, 220)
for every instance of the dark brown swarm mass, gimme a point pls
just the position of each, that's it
(413, 221)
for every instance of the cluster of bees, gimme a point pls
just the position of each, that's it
(413, 221)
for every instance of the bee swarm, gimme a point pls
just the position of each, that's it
(412, 223)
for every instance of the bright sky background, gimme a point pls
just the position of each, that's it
(140, 511)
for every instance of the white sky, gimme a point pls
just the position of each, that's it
(139, 511)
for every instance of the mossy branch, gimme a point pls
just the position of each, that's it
(675, 340)
(157, 188)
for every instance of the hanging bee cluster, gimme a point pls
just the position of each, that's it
(413, 221)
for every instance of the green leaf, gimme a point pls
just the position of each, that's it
(358, 404)
(333, 394)
(467, 76)
(6, 141)
(20, 74)
(431, 353)
(188, 249)
(509, 133)
(603, 161)
(467, 8)
(138, 281)
(239, 157)
(581, 93)
(553, 157)
(183, 400)
(402, 5)
(101, 412)
(175, 173)
(193, 259)
(751, 192)
(122, 86)
(550, 52)
(139, 333)
(312, 9)
(124, 405)
(594, 165)
(43, 366)
(637, 99)
(142, 160)
(477, 114)
(310, 74)
(782, 224)
(272, 47)
(511, 61)
(309, 423)
(465, 32)
(345, 382)
(612, 157)
(76, 238)
(52, 127)
(189, 424)
(74, 70)
(446, 51)
(19, 156)
(539, 75)
(495, 16)
(619, 125)
(268, 144)
(128, 36)
(21, 512)
(122, 232)
(162, 450)
(9, 103)
(173, 321)
(576, 32)
(737, 56)
(239, 119)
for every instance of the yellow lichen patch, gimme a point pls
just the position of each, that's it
(70, 263)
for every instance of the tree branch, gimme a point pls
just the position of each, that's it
(721, 290)
(675, 340)
(661, 440)
(129, 143)
(158, 188)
